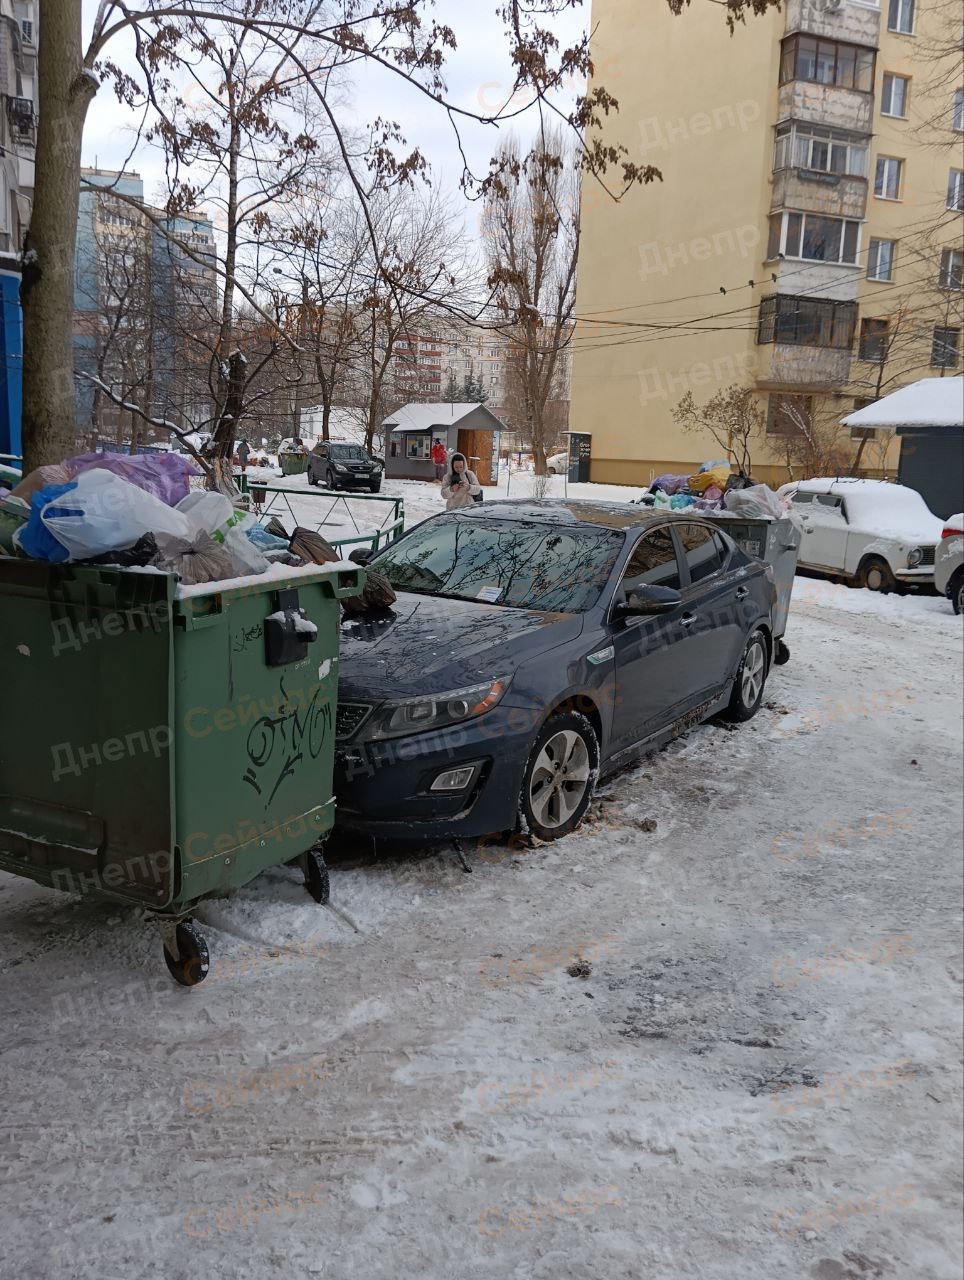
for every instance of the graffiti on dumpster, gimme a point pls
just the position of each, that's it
(246, 636)
(277, 744)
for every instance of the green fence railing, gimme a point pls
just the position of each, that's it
(277, 502)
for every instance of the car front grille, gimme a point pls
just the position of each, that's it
(928, 555)
(349, 718)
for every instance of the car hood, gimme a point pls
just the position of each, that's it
(427, 644)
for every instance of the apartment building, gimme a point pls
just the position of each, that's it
(18, 137)
(145, 297)
(805, 238)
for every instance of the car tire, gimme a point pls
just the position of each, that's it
(955, 591)
(875, 574)
(330, 481)
(375, 488)
(312, 479)
(567, 747)
(751, 676)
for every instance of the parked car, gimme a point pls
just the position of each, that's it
(341, 466)
(949, 562)
(558, 464)
(872, 533)
(533, 645)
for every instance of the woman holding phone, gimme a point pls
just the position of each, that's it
(460, 484)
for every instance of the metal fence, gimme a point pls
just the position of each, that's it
(277, 502)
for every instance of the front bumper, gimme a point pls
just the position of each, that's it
(382, 787)
(922, 576)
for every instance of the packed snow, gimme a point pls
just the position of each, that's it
(713, 1035)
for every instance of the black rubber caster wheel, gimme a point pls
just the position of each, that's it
(317, 879)
(193, 961)
(782, 654)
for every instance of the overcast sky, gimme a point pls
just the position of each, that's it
(479, 76)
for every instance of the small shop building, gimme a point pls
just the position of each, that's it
(470, 429)
(928, 416)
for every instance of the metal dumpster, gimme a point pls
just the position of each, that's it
(777, 542)
(293, 463)
(163, 747)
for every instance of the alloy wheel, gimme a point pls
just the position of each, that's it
(560, 777)
(754, 668)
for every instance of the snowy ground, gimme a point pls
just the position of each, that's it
(751, 1073)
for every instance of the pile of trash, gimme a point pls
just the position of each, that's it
(140, 512)
(715, 488)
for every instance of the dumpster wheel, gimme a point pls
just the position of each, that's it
(317, 879)
(193, 962)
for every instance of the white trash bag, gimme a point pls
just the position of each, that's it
(106, 513)
(756, 501)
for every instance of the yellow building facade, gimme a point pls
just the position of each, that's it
(805, 238)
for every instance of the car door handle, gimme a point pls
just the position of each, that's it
(687, 619)
(742, 593)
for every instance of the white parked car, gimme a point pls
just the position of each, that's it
(558, 464)
(949, 562)
(875, 534)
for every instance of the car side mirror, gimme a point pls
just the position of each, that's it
(647, 601)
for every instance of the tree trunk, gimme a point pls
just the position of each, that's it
(47, 287)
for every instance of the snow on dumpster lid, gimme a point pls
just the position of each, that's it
(252, 580)
(932, 402)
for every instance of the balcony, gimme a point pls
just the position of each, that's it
(804, 368)
(827, 104)
(804, 341)
(812, 191)
(857, 23)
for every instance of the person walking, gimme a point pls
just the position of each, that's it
(439, 457)
(460, 485)
(244, 452)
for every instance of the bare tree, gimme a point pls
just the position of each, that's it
(531, 226)
(312, 46)
(734, 418)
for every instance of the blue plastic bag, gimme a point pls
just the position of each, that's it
(34, 538)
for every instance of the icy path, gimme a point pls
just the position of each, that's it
(757, 1077)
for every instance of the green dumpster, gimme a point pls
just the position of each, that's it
(164, 746)
(293, 464)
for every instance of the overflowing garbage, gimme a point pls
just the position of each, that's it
(715, 487)
(141, 512)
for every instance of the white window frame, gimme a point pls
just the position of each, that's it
(873, 260)
(955, 190)
(888, 162)
(793, 257)
(947, 272)
(901, 9)
(886, 107)
(795, 143)
(954, 349)
(957, 117)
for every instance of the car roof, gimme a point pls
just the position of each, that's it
(584, 511)
(843, 484)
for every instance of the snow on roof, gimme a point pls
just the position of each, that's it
(932, 402)
(427, 417)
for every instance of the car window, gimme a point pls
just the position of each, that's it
(354, 452)
(652, 564)
(523, 564)
(702, 551)
(800, 497)
(829, 500)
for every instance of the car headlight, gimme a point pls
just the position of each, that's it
(914, 557)
(416, 715)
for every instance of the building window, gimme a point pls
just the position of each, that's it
(952, 269)
(945, 348)
(416, 446)
(958, 120)
(893, 97)
(848, 66)
(863, 433)
(808, 146)
(814, 238)
(955, 190)
(873, 340)
(807, 322)
(900, 16)
(887, 178)
(788, 413)
(880, 260)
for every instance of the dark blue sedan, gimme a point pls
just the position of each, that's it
(535, 646)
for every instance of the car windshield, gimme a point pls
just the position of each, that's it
(520, 564)
(353, 451)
